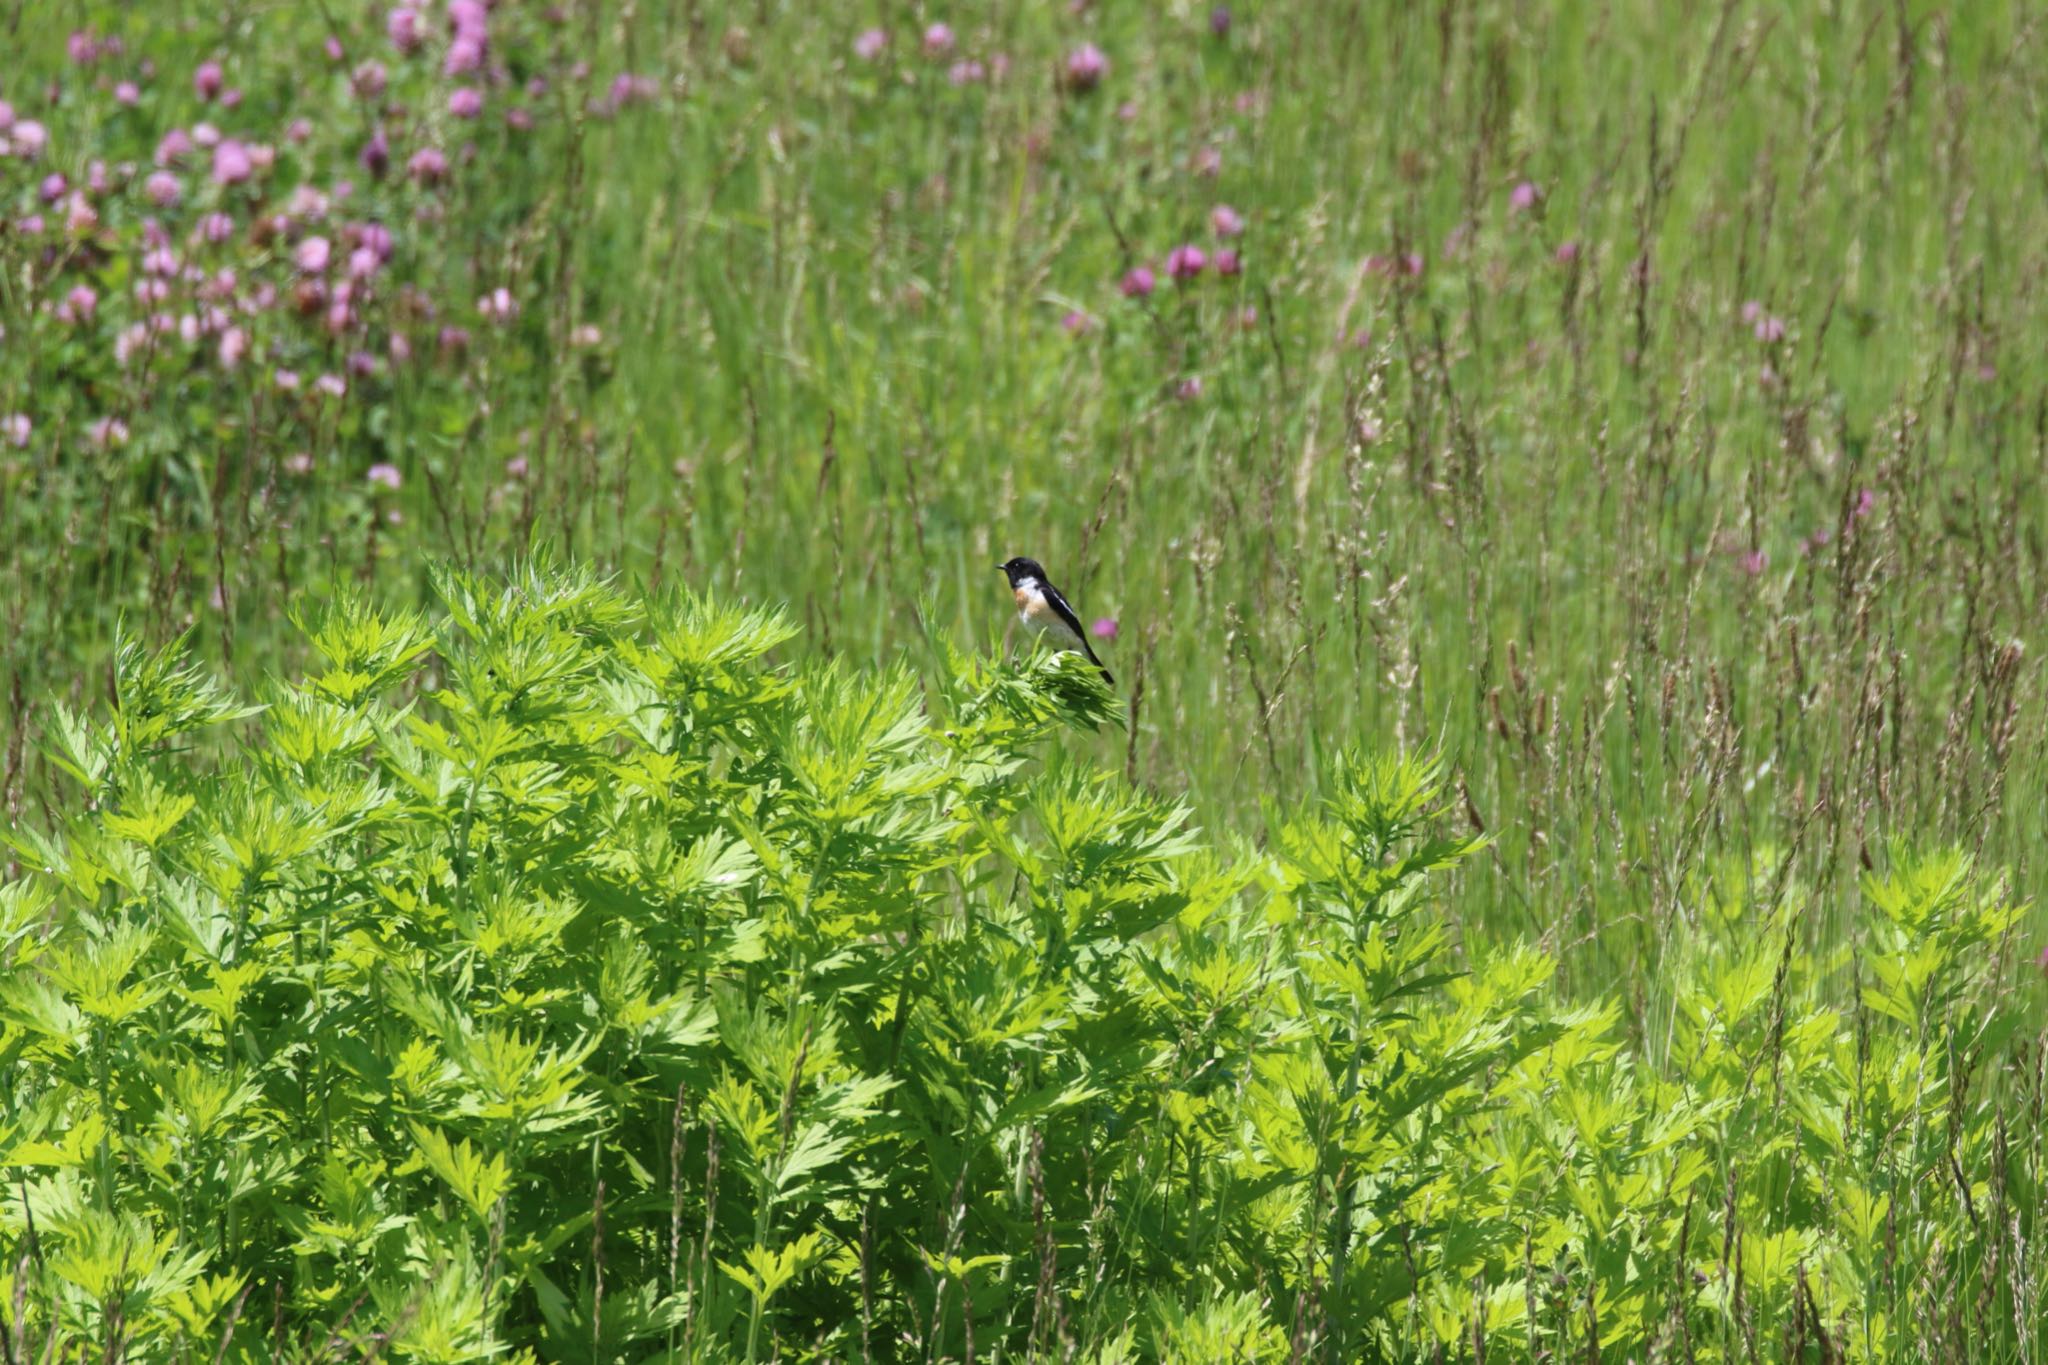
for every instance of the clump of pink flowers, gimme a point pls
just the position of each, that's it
(241, 269)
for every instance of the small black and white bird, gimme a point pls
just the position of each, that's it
(1042, 608)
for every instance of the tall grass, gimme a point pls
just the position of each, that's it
(1665, 590)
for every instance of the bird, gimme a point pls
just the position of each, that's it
(1043, 608)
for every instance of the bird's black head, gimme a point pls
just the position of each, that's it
(1021, 568)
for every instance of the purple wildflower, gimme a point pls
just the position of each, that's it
(80, 217)
(79, 305)
(402, 27)
(232, 163)
(29, 139)
(1085, 68)
(498, 306)
(465, 55)
(376, 154)
(468, 18)
(173, 147)
(428, 166)
(1184, 263)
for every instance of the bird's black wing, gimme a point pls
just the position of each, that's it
(1058, 601)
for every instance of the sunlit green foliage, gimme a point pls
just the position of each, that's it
(557, 976)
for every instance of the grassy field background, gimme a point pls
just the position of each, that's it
(1668, 591)
(1643, 404)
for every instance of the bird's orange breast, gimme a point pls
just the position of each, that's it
(1037, 611)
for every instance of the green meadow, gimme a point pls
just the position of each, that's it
(532, 834)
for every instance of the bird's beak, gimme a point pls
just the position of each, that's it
(999, 568)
